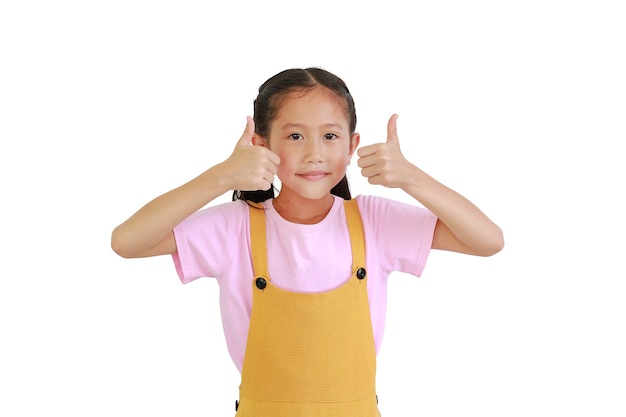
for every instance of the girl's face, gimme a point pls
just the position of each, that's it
(312, 137)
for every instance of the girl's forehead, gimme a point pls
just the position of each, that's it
(317, 92)
(315, 103)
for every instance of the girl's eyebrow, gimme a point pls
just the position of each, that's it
(302, 126)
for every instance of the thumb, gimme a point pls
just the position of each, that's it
(392, 130)
(246, 137)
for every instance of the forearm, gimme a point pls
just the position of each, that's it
(154, 222)
(470, 229)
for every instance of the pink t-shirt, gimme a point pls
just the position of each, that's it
(215, 242)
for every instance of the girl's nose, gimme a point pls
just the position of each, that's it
(314, 151)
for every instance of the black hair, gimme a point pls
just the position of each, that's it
(267, 105)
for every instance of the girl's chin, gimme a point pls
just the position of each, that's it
(306, 193)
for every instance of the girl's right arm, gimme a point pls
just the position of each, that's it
(149, 232)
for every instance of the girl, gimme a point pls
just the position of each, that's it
(303, 273)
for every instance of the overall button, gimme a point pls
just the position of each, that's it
(261, 283)
(360, 273)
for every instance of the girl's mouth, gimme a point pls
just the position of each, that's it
(313, 175)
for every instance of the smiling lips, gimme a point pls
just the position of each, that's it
(313, 175)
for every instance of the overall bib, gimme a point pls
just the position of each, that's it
(309, 354)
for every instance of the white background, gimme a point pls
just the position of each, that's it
(519, 106)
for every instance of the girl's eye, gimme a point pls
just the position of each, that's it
(295, 136)
(330, 136)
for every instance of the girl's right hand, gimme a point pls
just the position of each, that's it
(250, 167)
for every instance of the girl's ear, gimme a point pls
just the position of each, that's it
(354, 143)
(258, 140)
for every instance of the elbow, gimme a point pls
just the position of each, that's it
(118, 245)
(496, 243)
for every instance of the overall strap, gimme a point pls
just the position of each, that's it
(258, 241)
(357, 235)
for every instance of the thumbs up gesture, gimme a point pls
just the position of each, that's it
(383, 163)
(252, 165)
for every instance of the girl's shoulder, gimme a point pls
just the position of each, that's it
(226, 211)
(373, 202)
(383, 209)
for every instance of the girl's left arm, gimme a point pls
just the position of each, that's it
(461, 226)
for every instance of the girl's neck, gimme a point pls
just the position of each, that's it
(303, 211)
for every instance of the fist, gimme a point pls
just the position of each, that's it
(383, 163)
(251, 167)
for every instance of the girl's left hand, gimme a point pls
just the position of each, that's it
(383, 163)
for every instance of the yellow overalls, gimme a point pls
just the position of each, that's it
(309, 355)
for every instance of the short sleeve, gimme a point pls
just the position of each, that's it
(400, 233)
(207, 240)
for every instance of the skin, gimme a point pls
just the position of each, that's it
(309, 148)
